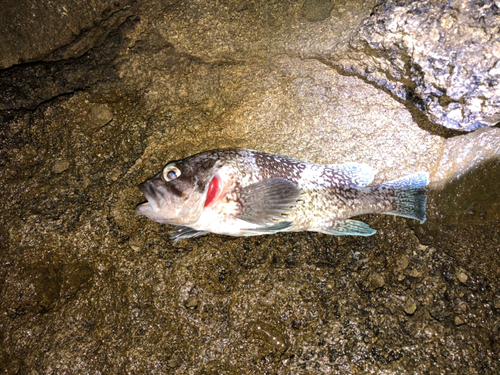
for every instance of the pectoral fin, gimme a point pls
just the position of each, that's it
(349, 228)
(268, 201)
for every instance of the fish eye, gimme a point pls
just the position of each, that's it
(171, 173)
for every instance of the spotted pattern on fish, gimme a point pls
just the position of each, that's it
(259, 193)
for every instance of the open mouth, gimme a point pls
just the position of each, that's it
(154, 194)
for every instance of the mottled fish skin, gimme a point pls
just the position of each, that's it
(258, 193)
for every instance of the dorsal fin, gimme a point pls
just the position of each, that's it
(359, 174)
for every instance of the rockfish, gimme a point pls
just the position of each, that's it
(240, 192)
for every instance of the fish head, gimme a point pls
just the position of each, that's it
(177, 194)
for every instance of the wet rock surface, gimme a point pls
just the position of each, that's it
(442, 56)
(88, 286)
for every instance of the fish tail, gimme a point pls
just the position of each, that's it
(410, 201)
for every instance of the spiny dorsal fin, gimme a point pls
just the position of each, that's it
(359, 174)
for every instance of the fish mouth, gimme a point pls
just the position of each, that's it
(165, 206)
(155, 195)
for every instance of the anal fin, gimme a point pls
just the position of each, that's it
(349, 227)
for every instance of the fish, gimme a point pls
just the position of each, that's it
(241, 192)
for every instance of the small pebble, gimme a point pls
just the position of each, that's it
(270, 335)
(462, 277)
(60, 166)
(421, 247)
(86, 181)
(191, 302)
(115, 175)
(173, 363)
(415, 273)
(374, 281)
(402, 262)
(410, 306)
(100, 115)
(459, 321)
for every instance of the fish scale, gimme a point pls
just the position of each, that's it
(255, 193)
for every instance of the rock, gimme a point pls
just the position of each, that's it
(402, 262)
(100, 115)
(32, 289)
(179, 77)
(496, 303)
(269, 335)
(410, 306)
(441, 56)
(312, 113)
(316, 10)
(374, 281)
(465, 153)
(51, 31)
(415, 273)
(60, 166)
(462, 277)
(191, 302)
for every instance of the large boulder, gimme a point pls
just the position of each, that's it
(442, 56)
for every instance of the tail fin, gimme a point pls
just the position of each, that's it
(410, 200)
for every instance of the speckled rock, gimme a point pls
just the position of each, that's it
(442, 56)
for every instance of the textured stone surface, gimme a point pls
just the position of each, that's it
(464, 153)
(301, 109)
(54, 30)
(442, 56)
(87, 286)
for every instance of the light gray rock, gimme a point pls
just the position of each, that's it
(464, 153)
(442, 56)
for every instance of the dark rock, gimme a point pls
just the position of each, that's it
(316, 10)
(51, 31)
